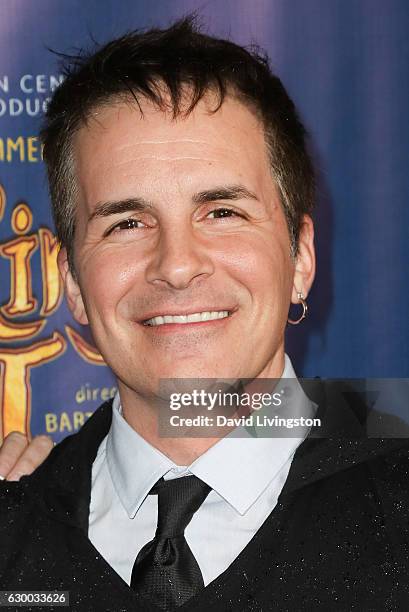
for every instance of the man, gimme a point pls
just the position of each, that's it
(182, 193)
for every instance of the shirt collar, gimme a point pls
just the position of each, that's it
(134, 464)
(239, 467)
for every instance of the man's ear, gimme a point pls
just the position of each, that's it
(305, 261)
(71, 289)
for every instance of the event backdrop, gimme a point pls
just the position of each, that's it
(344, 62)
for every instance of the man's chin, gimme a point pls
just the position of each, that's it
(184, 379)
(189, 374)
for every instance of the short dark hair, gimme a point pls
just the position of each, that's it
(144, 65)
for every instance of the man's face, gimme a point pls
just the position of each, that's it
(176, 218)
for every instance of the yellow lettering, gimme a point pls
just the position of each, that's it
(15, 386)
(19, 251)
(33, 149)
(105, 394)
(83, 348)
(13, 146)
(51, 422)
(21, 219)
(78, 418)
(65, 423)
(80, 396)
(9, 332)
(21, 148)
(52, 285)
(2, 201)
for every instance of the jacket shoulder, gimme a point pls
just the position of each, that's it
(390, 478)
(391, 468)
(12, 496)
(15, 511)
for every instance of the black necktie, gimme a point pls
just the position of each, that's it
(165, 570)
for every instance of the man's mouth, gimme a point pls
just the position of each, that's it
(183, 319)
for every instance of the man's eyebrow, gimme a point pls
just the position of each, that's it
(228, 192)
(138, 204)
(105, 209)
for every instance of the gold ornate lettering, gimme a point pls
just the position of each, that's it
(52, 285)
(2, 201)
(15, 386)
(19, 251)
(21, 219)
(83, 348)
(9, 332)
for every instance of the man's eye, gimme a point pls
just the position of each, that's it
(126, 224)
(221, 213)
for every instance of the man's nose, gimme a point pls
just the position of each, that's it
(180, 256)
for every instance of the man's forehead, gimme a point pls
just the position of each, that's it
(147, 124)
(122, 148)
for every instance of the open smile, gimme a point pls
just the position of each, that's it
(189, 319)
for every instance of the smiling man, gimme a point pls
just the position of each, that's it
(182, 193)
(185, 221)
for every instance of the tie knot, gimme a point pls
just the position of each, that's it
(178, 500)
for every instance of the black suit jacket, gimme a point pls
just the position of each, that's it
(338, 538)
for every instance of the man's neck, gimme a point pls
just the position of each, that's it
(140, 415)
(144, 419)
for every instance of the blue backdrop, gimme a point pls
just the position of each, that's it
(346, 65)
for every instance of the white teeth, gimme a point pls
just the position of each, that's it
(179, 319)
(196, 317)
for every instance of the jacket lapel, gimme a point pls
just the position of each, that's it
(63, 481)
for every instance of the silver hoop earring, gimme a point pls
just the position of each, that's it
(304, 310)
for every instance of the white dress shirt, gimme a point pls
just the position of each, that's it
(246, 475)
